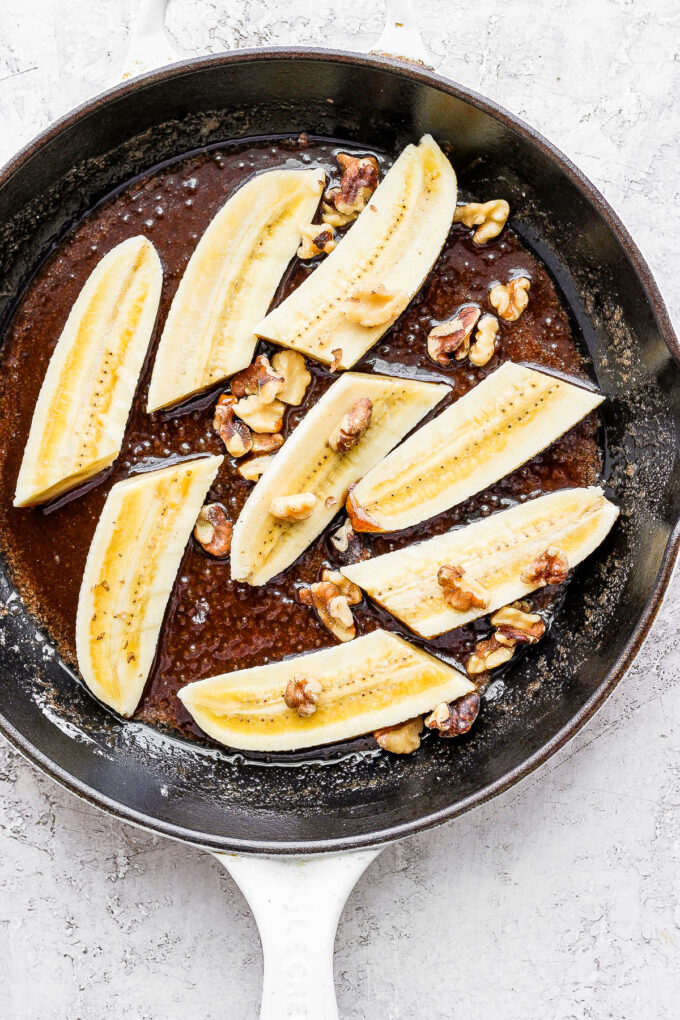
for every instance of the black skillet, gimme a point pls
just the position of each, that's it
(222, 802)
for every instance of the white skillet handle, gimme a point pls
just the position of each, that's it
(401, 34)
(297, 902)
(150, 45)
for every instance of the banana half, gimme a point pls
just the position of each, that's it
(366, 282)
(230, 281)
(131, 566)
(264, 545)
(504, 421)
(374, 681)
(85, 399)
(494, 551)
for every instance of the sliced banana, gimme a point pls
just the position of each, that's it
(230, 281)
(504, 421)
(131, 566)
(263, 545)
(356, 294)
(374, 681)
(85, 399)
(494, 551)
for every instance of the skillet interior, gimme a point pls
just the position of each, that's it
(214, 800)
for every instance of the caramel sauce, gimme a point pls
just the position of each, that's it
(214, 625)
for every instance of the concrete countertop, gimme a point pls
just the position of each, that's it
(559, 900)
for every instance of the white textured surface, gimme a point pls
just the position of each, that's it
(557, 901)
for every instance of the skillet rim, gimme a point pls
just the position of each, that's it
(425, 76)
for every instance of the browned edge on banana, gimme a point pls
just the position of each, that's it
(85, 399)
(335, 694)
(130, 570)
(497, 426)
(494, 555)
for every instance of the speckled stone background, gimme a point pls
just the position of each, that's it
(558, 901)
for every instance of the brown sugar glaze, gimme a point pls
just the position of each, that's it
(214, 625)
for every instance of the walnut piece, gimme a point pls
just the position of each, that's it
(453, 336)
(332, 604)
(302, 695)
(484, 347)
(375, 305)
(511, 298)
(401, 739)
(347, 543)
(254, 467)
(235, 434)
(258, 379)
(455, 719)
(297, 507)
(316, 239)
(358, 182)
(488, 654)
(264, 442)
(351, 426)
(351, 591)
(292, 368)
(213, 530)
(488, 217)
(551, 567)
(515, 626)
(461, 591)
(336, 358)
(260, 415)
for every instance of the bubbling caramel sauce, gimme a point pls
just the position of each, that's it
(214, 625)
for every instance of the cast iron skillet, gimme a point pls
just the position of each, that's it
(224, 802)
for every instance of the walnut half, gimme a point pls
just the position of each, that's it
(372, 306)
(234, 434)
(316, 239)
(488, 217)
(292, 368)
(511, 298)
(484, 347)
(401, 739)
(516, 626)
(358, 182)
(452, 338)
(457, 718)
(351, 426)
(488, 654)
(297, 507)
(331, 598)
(213, 530)
(551, 567)
(257, 388)
(302, 695)
(461, 591)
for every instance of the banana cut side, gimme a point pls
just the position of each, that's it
(493, 552)
(374, 681)
(264, 545)
(85, 399)
(131, 566)
(499, 425)
(363, 286)
(230, 281)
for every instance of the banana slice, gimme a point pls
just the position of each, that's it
(367, 281)
(494, 552)
(374, 681)
(230, 281)
(129, 574)
(306, 465)
(84, 402)
(504, 421)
